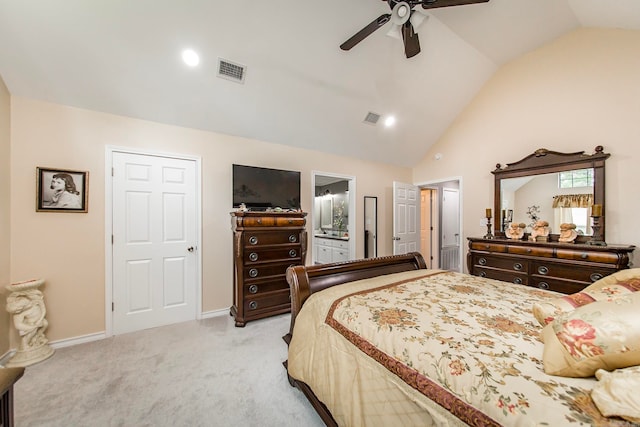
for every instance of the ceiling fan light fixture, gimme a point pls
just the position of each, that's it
(395, 31)
(417, 19)
(401, 13)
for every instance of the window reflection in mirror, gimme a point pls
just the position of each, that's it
(560, 197)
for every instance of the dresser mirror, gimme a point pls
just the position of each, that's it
(551, 186)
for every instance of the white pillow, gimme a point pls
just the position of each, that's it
(617, 393)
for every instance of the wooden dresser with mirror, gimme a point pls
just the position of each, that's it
(534, 182)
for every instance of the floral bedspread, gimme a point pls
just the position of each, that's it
(469, 344)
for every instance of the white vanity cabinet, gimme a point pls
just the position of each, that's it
(322, 251)
(340, 251)
(328, 250)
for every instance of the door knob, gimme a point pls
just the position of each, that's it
(190, 248)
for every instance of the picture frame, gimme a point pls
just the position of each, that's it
(509, 216)
(61, 190)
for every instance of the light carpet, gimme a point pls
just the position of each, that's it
(198, 373)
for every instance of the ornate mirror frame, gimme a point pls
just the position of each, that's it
(544, 161)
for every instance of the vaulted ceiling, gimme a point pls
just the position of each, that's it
(124, 57)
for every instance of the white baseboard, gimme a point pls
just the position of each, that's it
(59, 344)
(214, 313)
(100, 336)
(78, 340)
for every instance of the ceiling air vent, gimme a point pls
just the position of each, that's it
(231, 71)
(372, 118)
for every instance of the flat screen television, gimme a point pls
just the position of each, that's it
(263, 188)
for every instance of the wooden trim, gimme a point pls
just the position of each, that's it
(8, 378)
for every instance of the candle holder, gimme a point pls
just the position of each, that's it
(596, 239)
(488, 235)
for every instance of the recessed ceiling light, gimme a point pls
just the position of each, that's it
(190, 57)
(390, 121)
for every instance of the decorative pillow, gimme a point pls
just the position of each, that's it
(605, 289)
(600, 335)
(616, 393)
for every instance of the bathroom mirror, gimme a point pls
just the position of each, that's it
(326, 211)
(370, 227)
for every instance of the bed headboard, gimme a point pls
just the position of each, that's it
(305, 280)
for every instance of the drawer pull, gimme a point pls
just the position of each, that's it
(253, 272)
(253, 256)
(293, 238)
(584, 255)
(528, 250)
(482, 261)
(595, 276)
(253, 289)
(253, 305)
(517, 266)
(483, 274)
(486, 246)
(253, 240)
(543, 270)
(259, 220)
(293, 253)
(543, 285)
(290, 221)
(517, 281)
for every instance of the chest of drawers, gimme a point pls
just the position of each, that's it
(565, 268)
(264, 246)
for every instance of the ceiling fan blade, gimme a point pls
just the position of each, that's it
(411, 42)
(366, 31)
(446, 3)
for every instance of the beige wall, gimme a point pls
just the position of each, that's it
(5, 225)
(68, 249)
(578, 92)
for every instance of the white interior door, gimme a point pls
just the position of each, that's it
(406, 218)
(154, 241)
(450, 248)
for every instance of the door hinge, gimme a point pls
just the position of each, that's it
(112, 239)
(113, 306)
(113, 173)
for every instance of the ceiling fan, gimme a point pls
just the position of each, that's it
(403, 15)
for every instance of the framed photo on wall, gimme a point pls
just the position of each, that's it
(61, 190)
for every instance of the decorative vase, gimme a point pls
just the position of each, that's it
(26, 303)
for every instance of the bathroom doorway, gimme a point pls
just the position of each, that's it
(333, 217)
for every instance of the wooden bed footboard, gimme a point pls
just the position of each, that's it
(305, 280)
